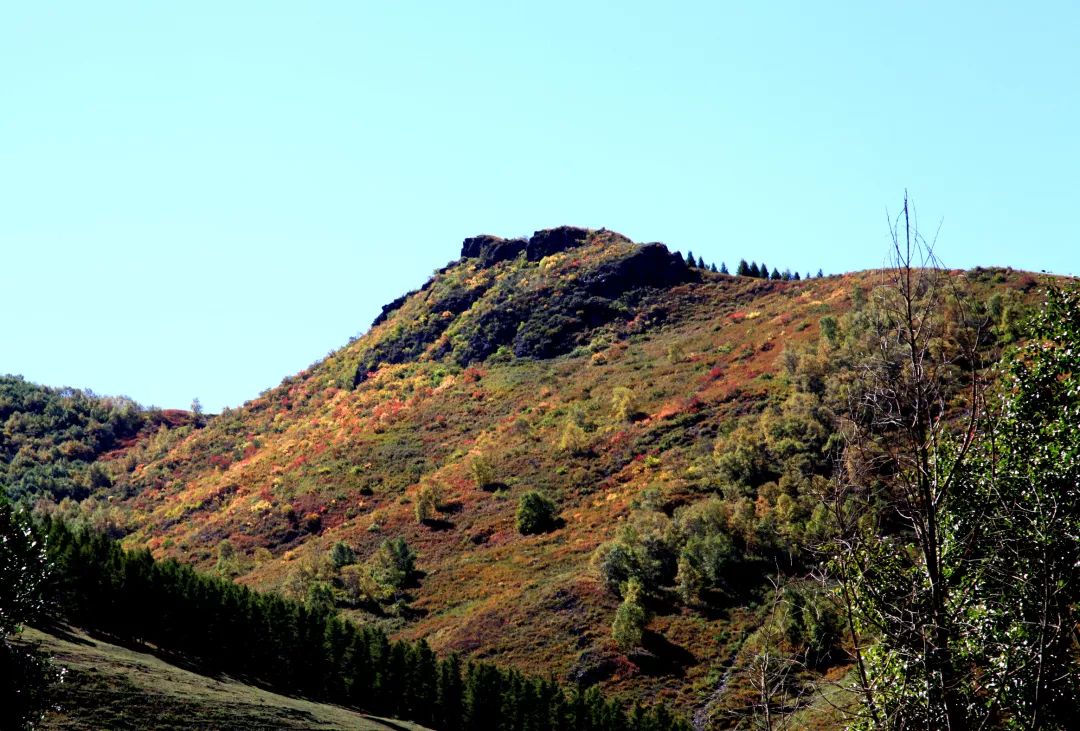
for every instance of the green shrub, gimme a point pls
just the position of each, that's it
(703, 565)
(428, 503)
(574, 439)
(394, 565)
(535, 513)
(628, 629)
(623, 406)
(642, 552)
(342, 555)
(483, 472)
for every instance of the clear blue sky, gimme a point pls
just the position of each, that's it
(200, 198)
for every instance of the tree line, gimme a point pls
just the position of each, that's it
(299, 648)
(753, 269)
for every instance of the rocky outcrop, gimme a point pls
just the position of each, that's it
(554, 240)
(532, 323)
(392, 307)
(493, 249)
(474, 246)
(651, 265)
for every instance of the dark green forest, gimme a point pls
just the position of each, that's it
(292, 647)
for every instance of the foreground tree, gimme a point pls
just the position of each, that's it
(956, 552)
(25, 675)
(1024, 507)
(900, 572)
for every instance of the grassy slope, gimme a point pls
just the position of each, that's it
(111, 687)
(316, 461)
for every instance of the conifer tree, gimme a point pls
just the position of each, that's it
(723, 267)
(753, 271)
(763, 271)
(690, 260)
(743, 270)
(700, 263)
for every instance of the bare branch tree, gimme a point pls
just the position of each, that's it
(893, 558)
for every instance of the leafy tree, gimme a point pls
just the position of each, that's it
(394, 564)
(342, 555)
(623, 404)
(961, 612)
(483, 472)
(23, 692)
(829, 328)
(676, 353)
(574, 439)
(628, 629)
(703, 565)
(535, 513)
(227, 558)
(320, 597)
(643, 551)
(428, 502)
(1021, 498)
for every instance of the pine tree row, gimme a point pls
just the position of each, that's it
(294, 648)
(753, 269)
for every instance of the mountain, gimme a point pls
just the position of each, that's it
(679, 421)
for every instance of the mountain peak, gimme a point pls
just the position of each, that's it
(490, 249)
(539, 305)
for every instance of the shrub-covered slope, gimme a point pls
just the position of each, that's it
(676, 418)
(51, 438)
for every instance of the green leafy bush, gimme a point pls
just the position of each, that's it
(535, 513)
(628, 629)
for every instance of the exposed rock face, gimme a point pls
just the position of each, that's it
(652, 265)
(543, 323)
(553, 240)
(492, 249)
(388, 309)
(474, 246)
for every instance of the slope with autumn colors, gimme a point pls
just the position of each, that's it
(605, 374)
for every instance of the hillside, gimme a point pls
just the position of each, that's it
(679, 419)
(108, 686)
(52, 439)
